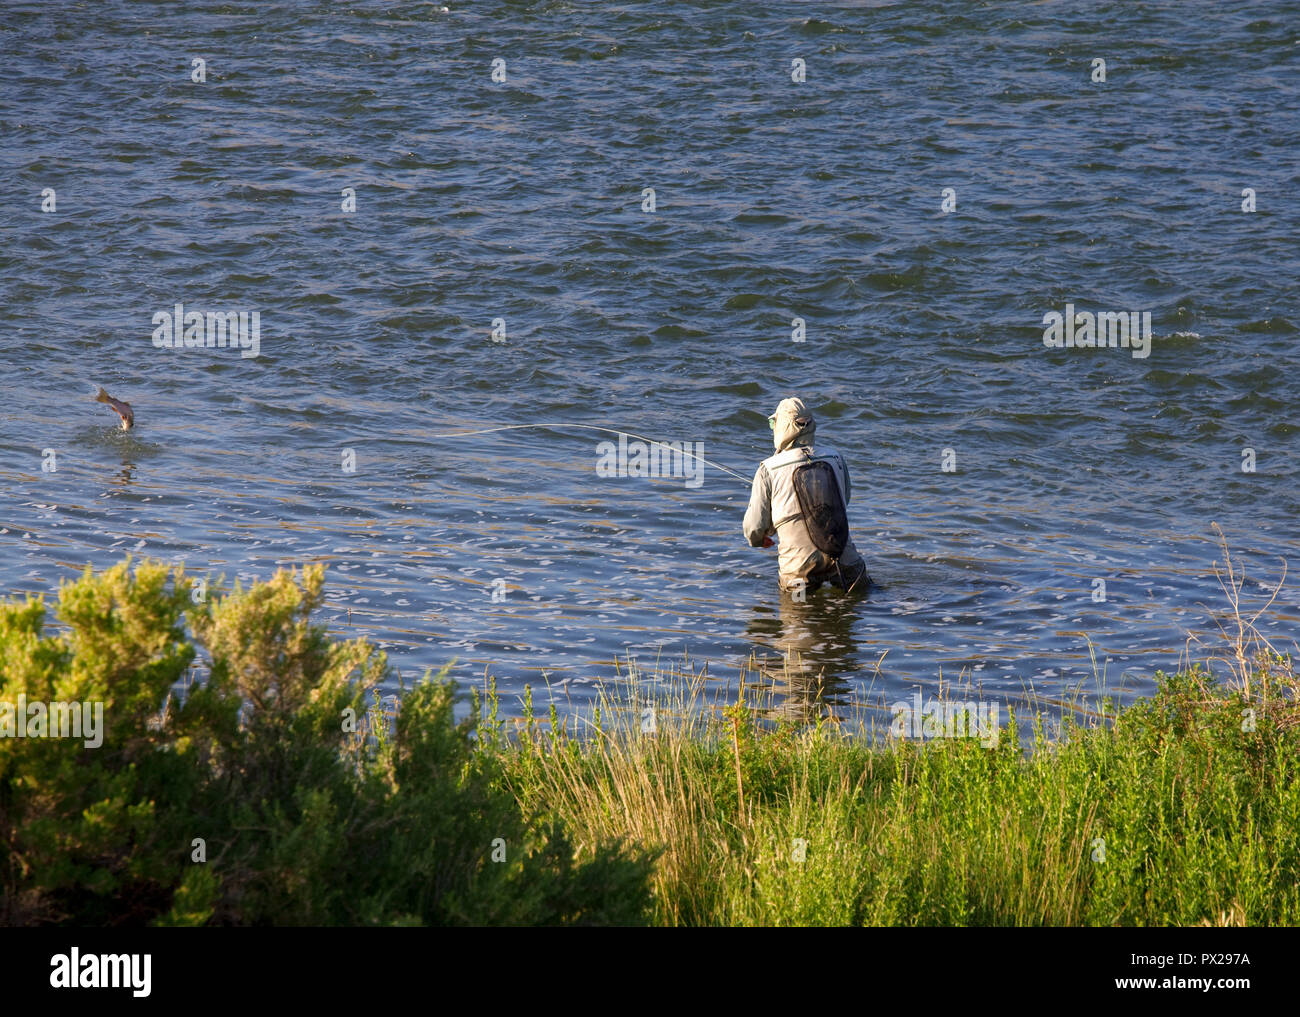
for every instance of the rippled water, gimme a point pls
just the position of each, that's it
(522, 200)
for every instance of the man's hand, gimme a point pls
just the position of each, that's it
(769, 542)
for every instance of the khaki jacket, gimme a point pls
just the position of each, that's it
(774, 509)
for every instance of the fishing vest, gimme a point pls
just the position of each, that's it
(808, 485)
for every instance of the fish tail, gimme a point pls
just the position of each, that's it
(103, 397)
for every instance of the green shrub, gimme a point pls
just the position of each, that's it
(310, 809)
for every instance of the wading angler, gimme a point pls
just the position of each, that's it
(1127, 330)
(669, 459)
(240, 330)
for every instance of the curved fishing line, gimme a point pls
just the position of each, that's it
(593, 427)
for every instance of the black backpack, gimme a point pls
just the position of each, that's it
(823, 507)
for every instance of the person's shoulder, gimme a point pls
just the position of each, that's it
(775, 460)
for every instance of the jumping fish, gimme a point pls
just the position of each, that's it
(122, 409)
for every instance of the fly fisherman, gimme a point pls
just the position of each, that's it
(800, 494)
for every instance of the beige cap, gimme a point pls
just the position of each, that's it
(793, 424)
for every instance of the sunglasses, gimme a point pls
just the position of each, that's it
(771, 422)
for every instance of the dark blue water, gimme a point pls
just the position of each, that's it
(522, 200)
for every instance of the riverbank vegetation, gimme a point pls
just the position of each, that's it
(281, 788)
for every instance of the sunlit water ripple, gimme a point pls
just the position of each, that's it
(522, 201)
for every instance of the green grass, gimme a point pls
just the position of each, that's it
(1167, 813)
(318, 804)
